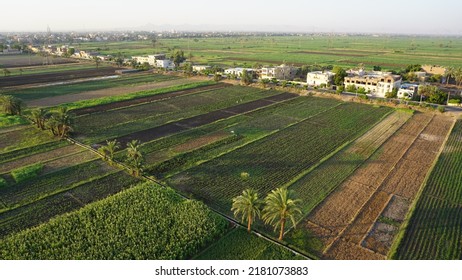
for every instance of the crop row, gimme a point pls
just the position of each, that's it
(124, 121)
(277, 159)
(316, 185)
(144, 222)
(247, 127)
(26, 192)
(32, 150)
(240, 245)
(42, 210)
(435, 228)
(57, 90)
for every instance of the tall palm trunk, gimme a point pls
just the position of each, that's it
(281, 232)
(249, 223)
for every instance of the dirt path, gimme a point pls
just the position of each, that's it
(56, 100)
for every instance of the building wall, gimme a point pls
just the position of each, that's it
(377, 84)
(318, 78)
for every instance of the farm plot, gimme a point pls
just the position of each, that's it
(113, 229)
(240, 245)
(94, 97)
(115, 123)
(274, 161)
(334, 214)
(28, 94)
(55, 77)
(395, 182)
(30, 60)
(41, 211)
(434, 230)
(19, 194)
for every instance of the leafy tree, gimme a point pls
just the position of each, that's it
(110, 148)
(340, 75)
(449, 73)
(135, 157)
(246, 77)
(40, 117)
(458, 76)
(70, 51)
(11, 105)
(178, 57)
(392, 94)
(413, 68)
(6, 72)
(216, 77)
(377, 68)
(97, 60)
(280, 206)
(351, 88)
(248, 206)
(63, 121)
(433, 94)
(119, 59)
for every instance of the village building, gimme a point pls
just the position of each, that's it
(375, 83)
(318, 78)
(407, 91)
(281, 72)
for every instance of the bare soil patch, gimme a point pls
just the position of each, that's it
(41, 157)
(345, 250)
(381, 237)
(200, 141)
(68, 161)
(94, 94)
(55, 77)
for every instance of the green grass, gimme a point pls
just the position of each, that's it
(27, 136)
(27, 172)
(241, 245)
(434, 230)
(7, 120)
(390, 52)
(144, 222)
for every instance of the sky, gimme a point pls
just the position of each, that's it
(440, 17)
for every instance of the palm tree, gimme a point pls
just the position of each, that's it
(135, 157)
(11, 105)
(110, 148)
(248, 205)
(280, 205)
(97, 60)
(61, 122)
(458, 76)
(450, 71)
(40, 116)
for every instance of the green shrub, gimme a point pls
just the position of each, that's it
(3, 182)
(454, 101)
(441, 109)
(27, 172)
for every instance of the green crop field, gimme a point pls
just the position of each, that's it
(240, 245)
(168, 228)
(390, 52)
(434, 230)
(274, 160)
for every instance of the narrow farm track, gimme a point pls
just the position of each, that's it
(158, 97)
(336, 212)
(196, 121)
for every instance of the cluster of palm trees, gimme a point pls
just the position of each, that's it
(11, 105)
(454, 73)
(278, 208)
(134, 159)
(59, 122)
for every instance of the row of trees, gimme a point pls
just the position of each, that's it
(279, 207)
(59, 122)
(134, 158)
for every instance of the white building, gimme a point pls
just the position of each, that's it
(407, 91)
(165, 63)
(199, 68)
(281, 72)
(237, 71)
(318, 78)
(375, 82)
(150, 59)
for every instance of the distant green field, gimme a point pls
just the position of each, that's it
(390, 52)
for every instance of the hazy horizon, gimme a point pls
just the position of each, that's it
(354, 16)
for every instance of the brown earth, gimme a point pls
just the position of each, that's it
(345, 250)
(358, 225)
(41, 157)
(68, 161)
(68, 98)
(200, 141)
(55, 77)
(340, 208)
